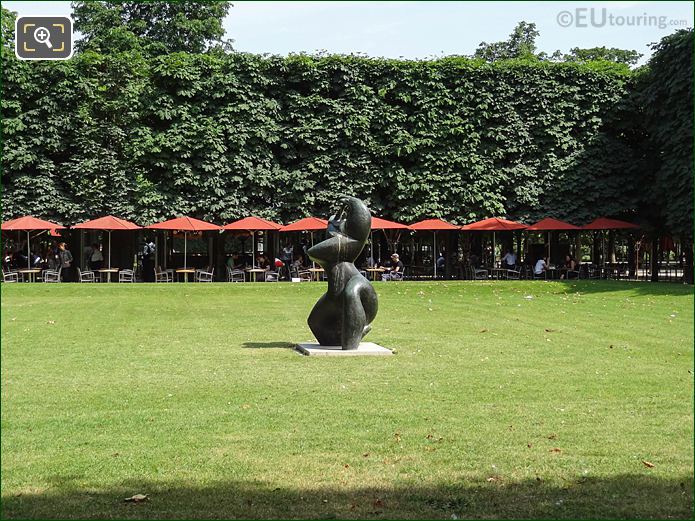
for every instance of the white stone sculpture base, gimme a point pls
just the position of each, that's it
(364, 349)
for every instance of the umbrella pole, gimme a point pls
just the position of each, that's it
(185, 248)
(312, 245)
(109, 249)
(434, 254)
(494, 256)
(253, 249)
(28, 252)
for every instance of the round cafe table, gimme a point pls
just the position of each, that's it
(253, 272)
(374, 271)
(107, 272)
(185, 272)
(30, 272)
(317, 273)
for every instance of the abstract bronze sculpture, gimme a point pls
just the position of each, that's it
(342, 316)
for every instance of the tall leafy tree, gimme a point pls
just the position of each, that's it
(520, 44)
(612, 54)
(154, 27)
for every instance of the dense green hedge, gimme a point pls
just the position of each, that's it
(223, 136)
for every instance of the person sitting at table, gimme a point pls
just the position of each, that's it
(96, 259)
(394, 269)
(509, 260)
(234, 262)
(262, 262)
(569, 268)
(541, 267)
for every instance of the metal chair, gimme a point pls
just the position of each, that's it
(204, 275)
(305, 276)
(9, 276)
(235, 275)
(85, 276)
(126, 276)
(161, 275)
(272, 276)
(52, 275)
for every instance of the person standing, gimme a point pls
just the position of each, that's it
(509, 260)
(148, 252)
(287, 256)
(65, 260)
(96, 258)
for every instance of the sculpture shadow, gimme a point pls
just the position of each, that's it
(268, 345)
(624, 496)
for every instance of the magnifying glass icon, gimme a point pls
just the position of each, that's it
(42, 35)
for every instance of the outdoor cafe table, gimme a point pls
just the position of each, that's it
(253, 273)
(107, 272)
(185, 272)
(31, 272)
(373, 272)
(316, 272)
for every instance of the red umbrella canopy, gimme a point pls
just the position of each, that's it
(384, 224)
(28, 223)
(433, 225)
(109, 223)
(604, 223)
(307, 224)
(548, 224)
(252, 224)
(494, 224)
(186, 224)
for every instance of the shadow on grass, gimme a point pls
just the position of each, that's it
(671, 289)
(268, 345)
(624, 496)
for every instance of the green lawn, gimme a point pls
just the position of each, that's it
(507, 399)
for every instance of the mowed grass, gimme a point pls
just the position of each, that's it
(504, 400)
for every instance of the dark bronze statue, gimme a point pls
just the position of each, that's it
(343, 315)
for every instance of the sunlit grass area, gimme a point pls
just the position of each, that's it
(504, 399)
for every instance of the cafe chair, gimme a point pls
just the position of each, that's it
(161, 275)
(305, 276)
(235, 275)
(204, 275)
(126, 276)
(9, 276)
(85, 276)
(51, 275)
(272, 276)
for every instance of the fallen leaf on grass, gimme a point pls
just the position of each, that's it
(548, 330)
(347, 466)
(397, 436)
(555, 450)
(648, 464)
(51, 322)
(137, 498)
(378, 503)
(483, 330)
(529, 445)
(552, 436)
(366, 454)
(246, 406)
(491, 479)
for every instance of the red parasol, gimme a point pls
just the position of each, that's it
(308, 224)
(28, 224)
(109, 224)
(434, 225)
(384, 224)
(548, 224)
(185, 224)
(253, 224)
(604, 223)
(494, 224)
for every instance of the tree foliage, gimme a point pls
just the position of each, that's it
(220, 136)
(665, 97)
(153, 27)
